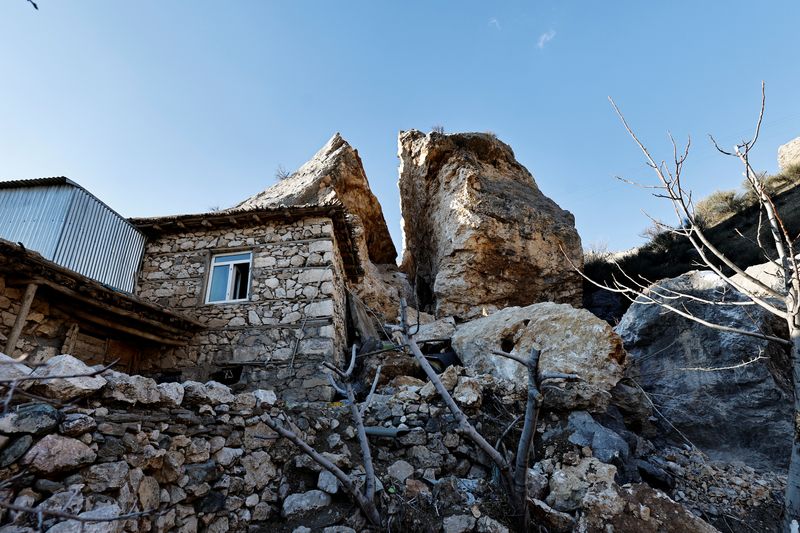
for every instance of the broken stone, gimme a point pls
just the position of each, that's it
(109, 526)
(212, 393)
(400, 470)
(171, 394)
(458, 523)
(10, 369)
(75, 424)
(130, 389)
(69, 388)
(266, 397)
(328, 482)
(605, 444)
(35, 419)
(55, 454)
(570, 484)
(106, 476)
(12, 452)
(312, 500)
(468, 392)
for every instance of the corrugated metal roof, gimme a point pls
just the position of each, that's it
(67, 224)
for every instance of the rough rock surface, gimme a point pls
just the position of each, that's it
(789, 154)
(571, 341)
(68, 388)
(478, 233)
(717, 410)
(55, 453)
(335, 172)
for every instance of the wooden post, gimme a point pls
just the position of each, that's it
(22, 316)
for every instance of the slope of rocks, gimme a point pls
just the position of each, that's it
(478, 233)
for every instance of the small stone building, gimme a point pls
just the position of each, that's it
(267, 284)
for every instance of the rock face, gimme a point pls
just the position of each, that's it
(716, 410)
(335, 172)
(478, 233)
(571, 341)
(789, 154)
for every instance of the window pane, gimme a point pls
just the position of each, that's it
(219, 284)
(241, 278)
(232, 258)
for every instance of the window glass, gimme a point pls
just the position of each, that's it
(219, 284)
(232, 258)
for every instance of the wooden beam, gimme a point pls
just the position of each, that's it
(136, 332)
(22, 317)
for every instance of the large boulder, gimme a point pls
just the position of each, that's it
(789, 154)
(728, 393)
(336, 173)
(478, 233)
(571, 341)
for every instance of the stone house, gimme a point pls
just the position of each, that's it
(267, 284)
(254, 296)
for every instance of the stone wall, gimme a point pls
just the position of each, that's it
(294, 319)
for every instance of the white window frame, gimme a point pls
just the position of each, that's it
(231, 277)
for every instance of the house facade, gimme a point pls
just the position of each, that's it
(252, 297)
(268, 286)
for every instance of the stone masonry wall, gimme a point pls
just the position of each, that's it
(294, 318)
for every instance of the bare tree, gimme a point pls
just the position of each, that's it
(513, 474)
(783, 301)
(366, 498)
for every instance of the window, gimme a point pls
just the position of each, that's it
(230, 278)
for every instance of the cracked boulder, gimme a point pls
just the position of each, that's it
(572, 341)
(478, 233)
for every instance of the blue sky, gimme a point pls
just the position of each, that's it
(168, 106)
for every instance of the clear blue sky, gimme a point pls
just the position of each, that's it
(163, 107)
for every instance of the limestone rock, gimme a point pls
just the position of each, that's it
(458, 523)
(312, 500)
(478, 233)
(107, 476)
(67, 389)
(328, 482)
(569, 486)
(75, 424)
(107, 511)
(10, 369)
(789, 154)
(468, 392)
(55, 454)
(715, 410)
(212, 393)
(130, 389)
(637, 509)
(171, 394)
(267, 397)
(571, 341)
(36, 419)
(259, 470)
(335, 172)
(439, 329)
(400, 470)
